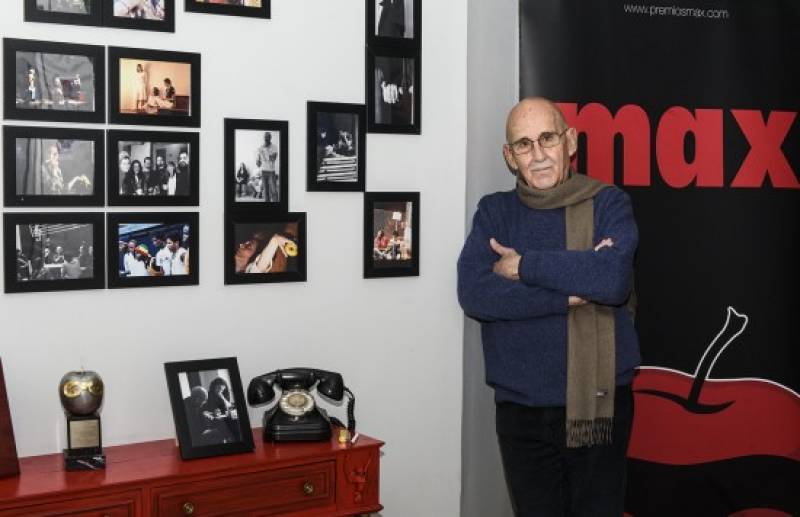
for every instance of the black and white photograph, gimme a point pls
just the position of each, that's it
(391, 234)
(394, 22)
(155, 87)
(336, 150)
(154, 15)
(256, 164)
(249, 8)
(265, 248)
(153, 168)
(48, 166)
(209, 408)
(152, 249)
(53, 251)
(70, 12)
(63, 82)
(393, 101)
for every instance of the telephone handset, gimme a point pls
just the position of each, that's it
(296, 416)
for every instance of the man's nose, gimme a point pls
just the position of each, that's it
(537, 151)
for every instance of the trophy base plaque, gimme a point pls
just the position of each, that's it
(74, 461)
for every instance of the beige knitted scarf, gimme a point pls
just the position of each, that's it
(590, 327)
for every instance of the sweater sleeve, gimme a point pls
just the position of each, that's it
(486, 296)
(603, 276)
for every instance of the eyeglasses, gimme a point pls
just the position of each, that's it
(546, 139)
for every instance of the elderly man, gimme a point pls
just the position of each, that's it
(547, 270)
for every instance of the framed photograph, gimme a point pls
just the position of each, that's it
(154, 87)
(251, 8)
(394, 23)
(393, 86)
(70, 12)
(53, 251)
(336, 147)
(209, 407)
(256, 164)
(9, 463)
(391, 234)
(265, 248)
(150, 15)
(153, 249)
(153, 168)
(45, 80)
(50, 166)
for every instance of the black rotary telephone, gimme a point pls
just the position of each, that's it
(296, 416)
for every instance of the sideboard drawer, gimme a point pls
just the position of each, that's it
(125, 504)
(301, 487)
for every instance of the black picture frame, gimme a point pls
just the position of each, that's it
(173, 144)
(391, 26)
(403, 115)
(240, 229)
(63, 103)
(193, 6)
(143, 227)
(94, 17)
(322, 177)
(183, 112)
(34, 180)
(120, 22)
(53, 229)
(241, 185)
(221, 424)
(393, 259)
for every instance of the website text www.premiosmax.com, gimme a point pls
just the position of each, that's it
(673, 10)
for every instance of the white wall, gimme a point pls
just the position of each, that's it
(492, 89)
(398, 342)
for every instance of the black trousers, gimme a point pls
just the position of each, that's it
(546, 478)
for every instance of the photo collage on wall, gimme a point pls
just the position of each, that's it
(47, 166)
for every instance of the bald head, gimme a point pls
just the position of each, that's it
(533, 107)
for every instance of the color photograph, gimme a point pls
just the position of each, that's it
(154, 87)
(249, 8)
(151, 249)
(391, 234)
(265, 248)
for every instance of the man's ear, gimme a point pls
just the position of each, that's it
(512, 165)
(572, 141)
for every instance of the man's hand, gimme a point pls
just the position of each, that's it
(508, 265)
(575, 301)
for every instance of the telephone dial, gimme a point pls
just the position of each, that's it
(296, 416)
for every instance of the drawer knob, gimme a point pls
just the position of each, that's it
(188, 509)
(308, 488)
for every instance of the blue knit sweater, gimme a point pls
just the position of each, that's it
(524, 323)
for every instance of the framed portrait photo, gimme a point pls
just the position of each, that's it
(45, 80)
(69, 12)
(151, 15)
(155, 87)
(394, 23)
(336, 147)
(251, 8)
(265, 248)
(153, 168)
(50, 166)
(391, 234)
(393, 86)
(153, 249)
(53, 251)
(209, 407)
(256, 165)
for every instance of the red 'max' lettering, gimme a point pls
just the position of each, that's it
(706, 169)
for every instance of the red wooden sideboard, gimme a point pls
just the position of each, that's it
(150, 479)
